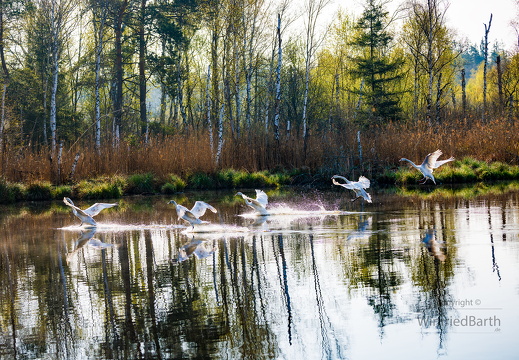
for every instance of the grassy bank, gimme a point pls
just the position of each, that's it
(463, 171)
(148, 184)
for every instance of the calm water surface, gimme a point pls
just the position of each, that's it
(322, 278)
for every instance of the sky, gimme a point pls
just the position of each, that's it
(467, 17)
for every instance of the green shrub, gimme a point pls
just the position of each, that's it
(201, 181)
(407, 176)
(227, 178)
(10, 192)
(387, 177)
(173, 185)
(258, 179)
(39, 191)
(456, 174)
(280, 179)
(98, 189)
(141, 184)
(61, 191)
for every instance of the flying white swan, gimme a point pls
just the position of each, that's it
(87, 215)
(429, 164)
(192, 216)
(259, 204)
(357, 186)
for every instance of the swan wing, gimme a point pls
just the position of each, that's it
(363, 193)
(97, 208)
(200, 207)
(430, 160)
(441, 162)
(181, 211)
(191, 218)
(364, 182)
(262, 198)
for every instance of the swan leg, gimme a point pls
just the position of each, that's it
(352, 200)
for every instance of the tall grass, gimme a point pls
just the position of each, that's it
(332, 150)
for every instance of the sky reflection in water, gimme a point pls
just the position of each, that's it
(398, 278)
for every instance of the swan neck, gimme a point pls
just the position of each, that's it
(410, 162)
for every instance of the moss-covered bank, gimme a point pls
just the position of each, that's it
(463, 171)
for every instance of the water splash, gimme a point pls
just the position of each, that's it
(121, 227)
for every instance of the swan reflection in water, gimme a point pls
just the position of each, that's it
(86, 238)
(363, 229)
(432, 245)
(200, 247)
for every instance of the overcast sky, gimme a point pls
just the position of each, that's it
(466, 17)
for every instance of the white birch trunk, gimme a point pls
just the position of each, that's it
(208, 104)
(45, 135)
(237, 87)
(278, 82)
(487, 30)
(2, 117)
(73, 168)
(305, 98)
(54, 85)
(220, 134)
(163, 92)
(360, 147)
(60, 152)
(180, 83)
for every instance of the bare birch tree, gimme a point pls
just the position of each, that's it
(427, 38)
(208, 105)
(5, 73)
(313, 39)
(278, 82)
(485, 64)
(143, 115)
(119, 9)
(99, 10)
(57, 14)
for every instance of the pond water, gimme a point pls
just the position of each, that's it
(321, 278)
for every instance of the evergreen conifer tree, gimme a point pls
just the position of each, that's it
(375, 66)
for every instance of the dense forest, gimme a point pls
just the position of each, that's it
(104, 87)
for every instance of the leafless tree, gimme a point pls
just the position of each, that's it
(485, 65)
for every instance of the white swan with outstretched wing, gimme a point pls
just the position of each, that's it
(259, 203)
(87, 215)
(357, 186)
(429, 164)
(193, 216)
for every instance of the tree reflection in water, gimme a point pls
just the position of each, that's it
(286, 288)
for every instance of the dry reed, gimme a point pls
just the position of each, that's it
(335, 150)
